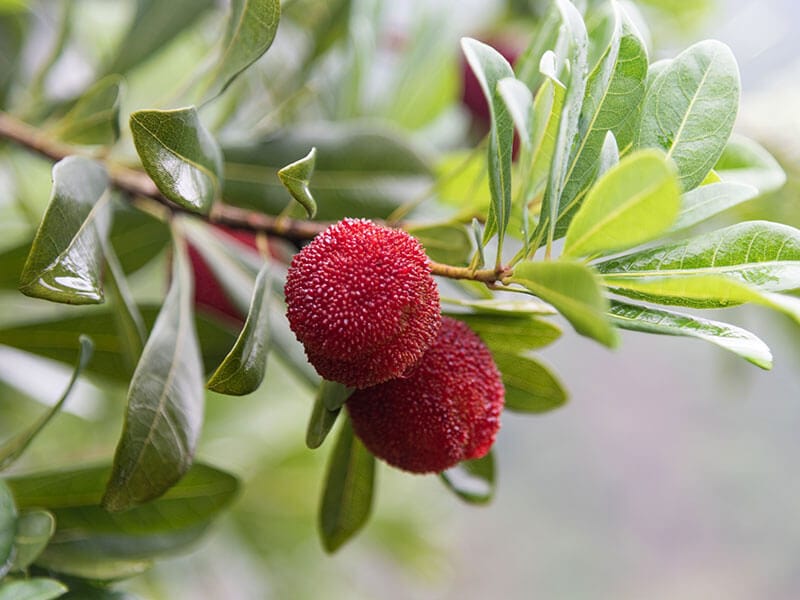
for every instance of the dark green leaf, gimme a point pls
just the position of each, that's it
(472, 480)
(347, 497)
(180, 155)
(690, 109)
(296, 177)
(251, 28)
(37, 588)
(12, 449)
(448, 243)
(137, 237)
(490, 67)
(660, 321)
(327, 406)
(574, 290)
(165, 402)
(747, 162)
(95, 117)
(66, 260)
(511, 332)
(530, 387)
(243, 369)
(708, 200)
(8, 528)
(34, 529)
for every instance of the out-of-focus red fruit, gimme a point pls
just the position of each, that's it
(445, 410)
(362, 301)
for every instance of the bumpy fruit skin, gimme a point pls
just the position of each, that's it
(362, 301)
(445, 410)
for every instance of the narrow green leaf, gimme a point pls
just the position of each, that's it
(36, 588)
(530, 386)
(329, 394)
(498, 306)
(724, 335)
(574, 290)
(347, 496)
(519, 103)
(180, 155)
(448, 243)
(490, 67)
(129, 320)
(690, 109)
(705, 201)
(472, 480)
(12, 449)
(165, 401)
(251, 28)
(633, 203)
(745, 161)
(94, 119)
(296, 178)
(510, 332)
(65, 263)
(8, 528)
(34, 530)
(243, 369)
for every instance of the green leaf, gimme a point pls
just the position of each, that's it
(708, 200)
(510, 332)
(180, 155)
(519, 103)
(327, 406)
(94, 119)
(497, 306)
(472, 480)
(530, 386)
(66, 260)
(36, 588)
(34, 530)
(574, 290)
(660, 321)
(347, 496)
(609, 154)
(296, 177)
(634, 202)
(759, 254)
(690, 109)
(447, 243)
(490, 67)
(12, 449)
(8, 528)
(165, 402)
(361, 170)
(243, 369)
(747, 162)
(129, 320)
(251, 28)
(137, 237)
(155, 24)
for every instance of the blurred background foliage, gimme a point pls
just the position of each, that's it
(670, 474)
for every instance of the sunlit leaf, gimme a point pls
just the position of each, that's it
(296, 177)
(472, 480)
(530, 386)
(34, 530)
(745, 161)
(95, 117)
(705, 201)
(511, 332)
(65, 262)
(180, 155)
(447, 243)
(36, 588)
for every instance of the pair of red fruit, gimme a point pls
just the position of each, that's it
(362, 301)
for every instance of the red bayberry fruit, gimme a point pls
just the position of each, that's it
(362, 301)
(445, 410)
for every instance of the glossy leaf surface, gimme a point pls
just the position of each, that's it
(530, 386)
(472, 480)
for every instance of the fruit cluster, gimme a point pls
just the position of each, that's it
(363, 302)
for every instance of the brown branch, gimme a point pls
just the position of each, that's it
(138, 184)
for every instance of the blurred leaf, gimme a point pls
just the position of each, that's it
(129, 321)
(137, 237)
(94, 119)
(155, 24)
(8, 528)
(447, 243)
(635, 202)
(11, 262)
(745, 161)
(243, 369)
(530, 387)
(659, 321)
(80, 589)
(609, 154)
(690, 109)
(574, 290)
(94, 567)
(335, 394)
(13, 28)
(180, 155)
(296, 178)
(472, 480)
(708, 200)
(251, 28)
(66, 260)
(500, 306)
(327, 406)
(462, 183)
(361, 170)
(514, 333)
(347, 496)
(36, 588)
(490, 67)
(13, 448)
(165, 402)
(34, 529)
